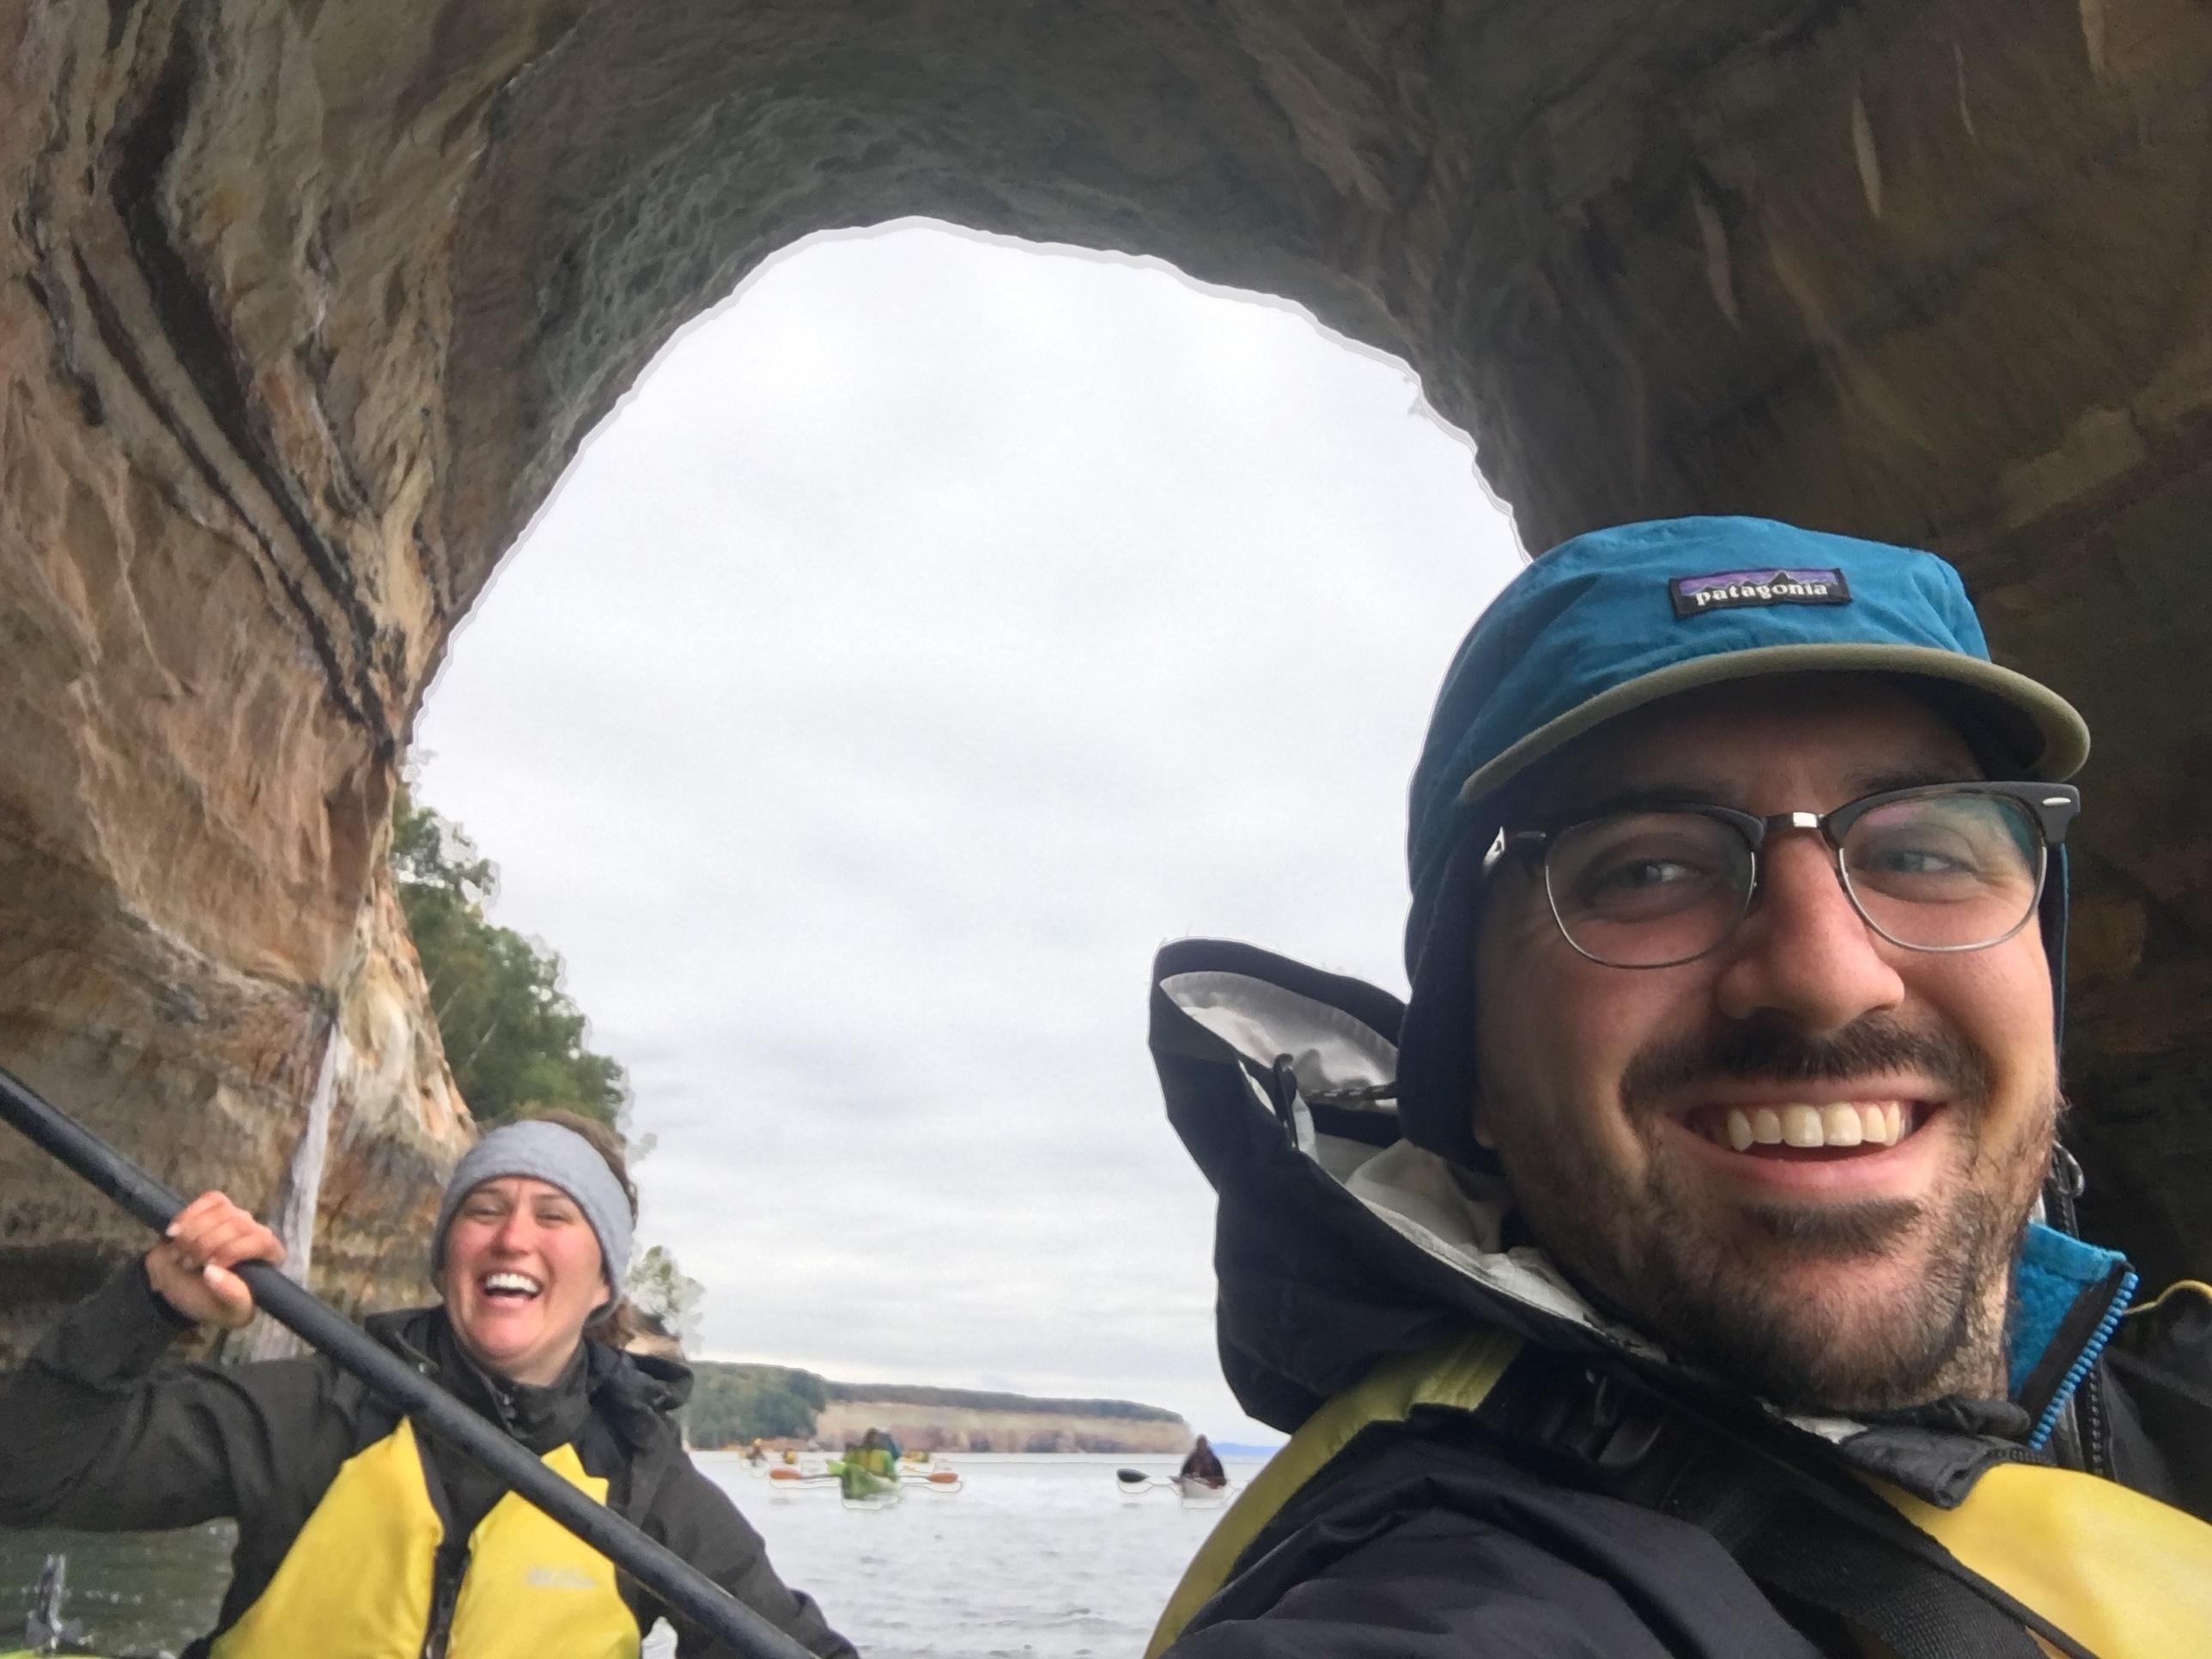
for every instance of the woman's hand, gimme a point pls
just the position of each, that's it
(190, 1267)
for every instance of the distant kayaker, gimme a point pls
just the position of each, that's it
(356, 1539)
(1202, 1465)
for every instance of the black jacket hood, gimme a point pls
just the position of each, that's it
(1339, 1243)
(633, 1393)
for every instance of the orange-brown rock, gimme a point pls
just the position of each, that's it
(305, 308)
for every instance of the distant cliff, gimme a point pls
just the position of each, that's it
(968, 1419)
(734, 1404)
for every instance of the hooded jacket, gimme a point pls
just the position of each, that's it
(98, 1430)
(1568, 1510)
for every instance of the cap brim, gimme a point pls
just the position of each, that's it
(2064, 735)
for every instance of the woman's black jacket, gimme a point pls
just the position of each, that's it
(98, 1430)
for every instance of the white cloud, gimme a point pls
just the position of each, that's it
(937, 630)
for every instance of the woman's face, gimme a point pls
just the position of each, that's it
(523, 1275)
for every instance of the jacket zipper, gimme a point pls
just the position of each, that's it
(2089, 1402)
(451, 1566)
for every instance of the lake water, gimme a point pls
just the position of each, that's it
(134, 1592)
(1036, 1558)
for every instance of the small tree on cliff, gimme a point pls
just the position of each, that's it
(512, 1035)
(659, 1287)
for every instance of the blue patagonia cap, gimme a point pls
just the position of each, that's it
(1618, 618)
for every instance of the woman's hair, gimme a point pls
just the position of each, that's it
(620, 1324)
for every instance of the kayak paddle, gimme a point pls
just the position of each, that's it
(660, 1569)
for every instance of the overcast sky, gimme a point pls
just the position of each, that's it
(939, 627)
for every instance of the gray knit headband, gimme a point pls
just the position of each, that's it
(560, 1157)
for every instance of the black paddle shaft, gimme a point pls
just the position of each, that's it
(667, 1575)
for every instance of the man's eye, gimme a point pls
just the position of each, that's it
(1923, 856)
(1647, 886)
(1915, 861)
(1645, 875)
(1634, 875)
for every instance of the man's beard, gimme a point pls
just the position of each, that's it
(1722, 1298)
(1733, 1311)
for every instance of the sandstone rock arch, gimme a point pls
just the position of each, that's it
(306, 305)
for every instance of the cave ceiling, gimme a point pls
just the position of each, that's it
(307, 306)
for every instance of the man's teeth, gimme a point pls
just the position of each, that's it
(522, 1284)
(1840, 1125)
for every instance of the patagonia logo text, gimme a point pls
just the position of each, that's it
(1728, 590)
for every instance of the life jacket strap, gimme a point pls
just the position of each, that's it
(1460, 1374)
(1820, 1537)
(1816, 1537)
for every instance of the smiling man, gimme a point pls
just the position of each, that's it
(1803, 1144)
(1686, 1269)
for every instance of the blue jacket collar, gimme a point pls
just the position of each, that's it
(2068, 1298)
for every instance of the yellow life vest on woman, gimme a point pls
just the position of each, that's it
(2123, 1575)
(357, 1582)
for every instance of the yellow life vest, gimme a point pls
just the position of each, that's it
(357, 1582)
(1461, 1374)
(2124, 1575)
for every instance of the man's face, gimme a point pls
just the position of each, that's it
(1843, 1279)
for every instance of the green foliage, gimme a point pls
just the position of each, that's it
(659, 1287)
(512, 1035)
(735, 1405)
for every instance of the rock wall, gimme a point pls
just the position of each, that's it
(304, 307)
(217, 620)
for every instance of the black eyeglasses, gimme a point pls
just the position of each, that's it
(1948, 867)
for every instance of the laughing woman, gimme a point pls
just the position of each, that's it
(357, 1540)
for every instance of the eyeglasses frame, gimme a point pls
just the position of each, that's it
(2053, 805)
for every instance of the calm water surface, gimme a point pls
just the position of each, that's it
(1037, 1558)
(134, 1592)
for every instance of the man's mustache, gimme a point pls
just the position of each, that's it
(1767, 1049)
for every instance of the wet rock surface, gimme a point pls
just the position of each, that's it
(306, 308)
